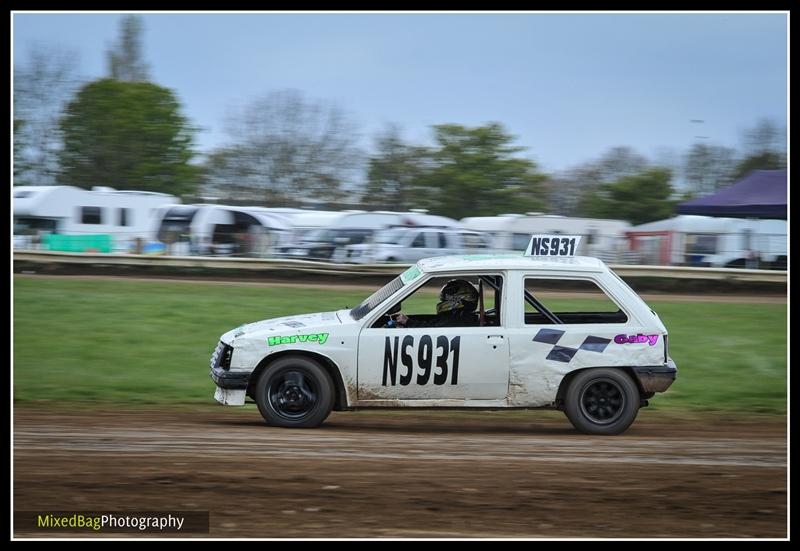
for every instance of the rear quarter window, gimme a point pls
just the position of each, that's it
(573, 301)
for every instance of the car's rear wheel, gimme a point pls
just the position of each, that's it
(602, 401)
(294, 392)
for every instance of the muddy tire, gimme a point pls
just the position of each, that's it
(602, 401)
(294, 392)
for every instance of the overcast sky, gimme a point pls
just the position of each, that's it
(569, 86)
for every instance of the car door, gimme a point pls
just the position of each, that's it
(454, 364)
(581, 335)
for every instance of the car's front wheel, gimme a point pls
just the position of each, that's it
(602, 401)
(294, 392)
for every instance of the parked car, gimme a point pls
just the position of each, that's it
(320, 244)
(355, 228)
(407, 245)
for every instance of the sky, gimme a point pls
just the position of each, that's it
(568, 86)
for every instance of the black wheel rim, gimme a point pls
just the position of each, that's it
(602, 401)
(292, 394)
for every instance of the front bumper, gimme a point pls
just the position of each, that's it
(233, 380)
(221, 373)
(231, 385)
(228, 397)
(656, 378)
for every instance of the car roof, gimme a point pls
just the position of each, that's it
(511, 261)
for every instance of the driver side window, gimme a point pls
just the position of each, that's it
(461, 307)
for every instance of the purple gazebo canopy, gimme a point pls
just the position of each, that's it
(760, 194)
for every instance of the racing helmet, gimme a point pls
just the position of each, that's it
(457, 295)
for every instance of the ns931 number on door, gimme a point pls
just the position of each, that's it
(435, 360)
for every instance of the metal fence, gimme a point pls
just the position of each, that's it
(286, 266)
(657, 248)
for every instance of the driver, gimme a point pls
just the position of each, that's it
(458, 300)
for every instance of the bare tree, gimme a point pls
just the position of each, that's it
(566, 191)
(395, 171)
(285, 149)
(42, 87)
(764, 148)
(765, 137)
(709, 167)
(619, 162)
(125, 60)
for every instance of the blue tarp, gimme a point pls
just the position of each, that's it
(760, 194)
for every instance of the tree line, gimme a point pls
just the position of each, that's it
(284, 149)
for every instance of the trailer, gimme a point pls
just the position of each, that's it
(102, 215)
(692, 240)
(601, 238)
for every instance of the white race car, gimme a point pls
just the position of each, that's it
(494, 336)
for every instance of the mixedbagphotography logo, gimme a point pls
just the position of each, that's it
(160, 522)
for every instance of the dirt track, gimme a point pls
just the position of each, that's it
(410, 474)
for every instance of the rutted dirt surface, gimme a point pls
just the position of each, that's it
(409, 474)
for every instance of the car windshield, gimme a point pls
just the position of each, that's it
(376, 298)
(389, 237)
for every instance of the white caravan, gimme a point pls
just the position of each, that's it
(603, 239)
(693, 240)
(124, 215)
(221, 230)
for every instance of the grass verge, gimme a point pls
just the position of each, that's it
(138, 342)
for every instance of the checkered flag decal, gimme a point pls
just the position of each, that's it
(565, 353)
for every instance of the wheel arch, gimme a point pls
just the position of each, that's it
(565, 382)
(340, 393)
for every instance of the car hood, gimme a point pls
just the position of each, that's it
(288, 325)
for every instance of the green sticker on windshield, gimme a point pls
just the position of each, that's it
(410, 275)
